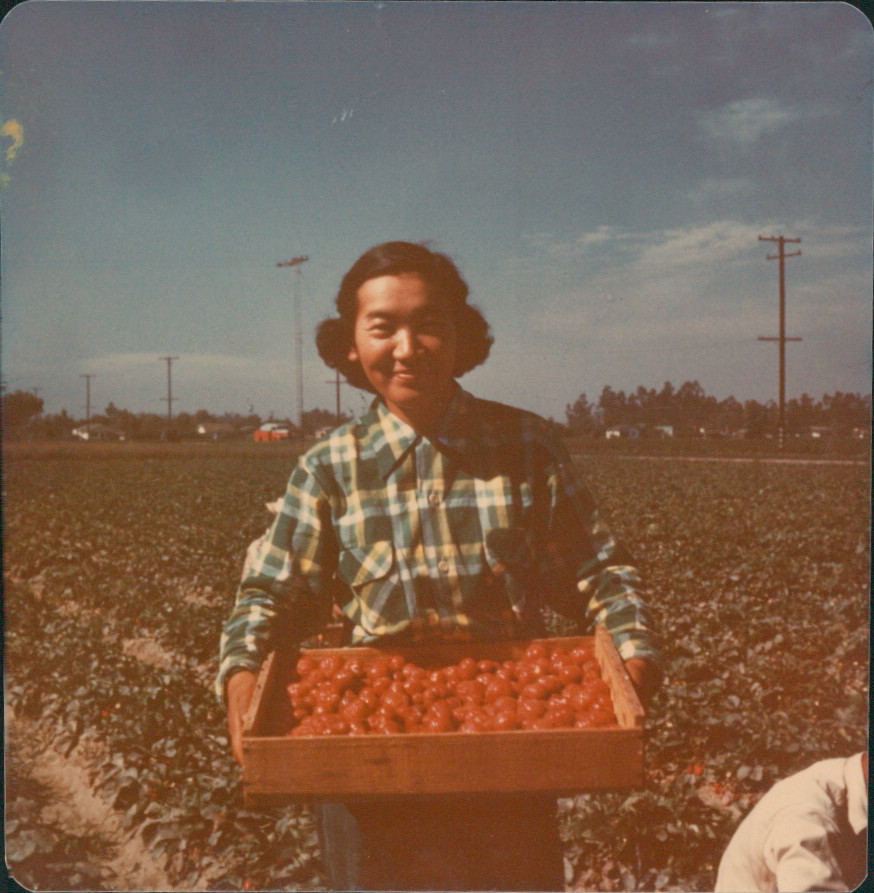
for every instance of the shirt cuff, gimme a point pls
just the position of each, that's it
(228, 667)
(643, 649)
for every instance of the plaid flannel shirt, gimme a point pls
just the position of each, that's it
(466, 535)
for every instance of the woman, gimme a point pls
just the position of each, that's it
(434, 514)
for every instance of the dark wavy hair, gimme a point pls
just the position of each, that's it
(334, 336)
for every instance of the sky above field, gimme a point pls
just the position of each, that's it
(600, 172)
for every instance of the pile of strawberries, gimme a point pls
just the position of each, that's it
(549, 687)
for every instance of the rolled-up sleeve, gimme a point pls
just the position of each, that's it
(282, 599)
(608, 585)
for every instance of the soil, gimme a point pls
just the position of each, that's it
(148, 651)
(70, 805)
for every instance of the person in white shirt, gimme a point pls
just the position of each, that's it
(808, 833)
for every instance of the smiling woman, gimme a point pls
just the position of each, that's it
(335, 336)
(405, 340)
(435, 514)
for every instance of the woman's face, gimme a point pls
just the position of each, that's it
(405, 339)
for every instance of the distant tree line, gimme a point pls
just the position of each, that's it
(23, 417)
(19, 408)
(688, 410)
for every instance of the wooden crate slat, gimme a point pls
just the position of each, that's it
(254, 720)
(629, 711)
(277, 767)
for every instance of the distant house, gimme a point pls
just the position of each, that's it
(216, 430)
(663, 430)
(818, 432)
(625, 432)
(97, 431)
(272, 431)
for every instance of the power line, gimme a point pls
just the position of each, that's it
(295, 263)
(169, 397)
(781, 338)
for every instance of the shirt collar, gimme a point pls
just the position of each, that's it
(392, 438)
(456, 426)
(857, 793)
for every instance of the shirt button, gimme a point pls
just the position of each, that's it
(443, 566)
(434, 498)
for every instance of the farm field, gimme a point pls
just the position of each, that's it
(120, 568)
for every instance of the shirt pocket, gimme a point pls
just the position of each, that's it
(508, 554)
(372, 573)
(361, 565)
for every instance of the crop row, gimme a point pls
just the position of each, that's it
(758, 574)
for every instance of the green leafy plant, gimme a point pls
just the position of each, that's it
(120, 570)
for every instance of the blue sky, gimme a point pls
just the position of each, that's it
(600, 172)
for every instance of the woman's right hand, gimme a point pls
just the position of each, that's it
(240, 688)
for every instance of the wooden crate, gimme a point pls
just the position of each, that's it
(277, 767)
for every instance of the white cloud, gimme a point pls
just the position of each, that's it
(692, 284)
(745, 121)
(706, 246)
(587, 244)
(614, 261)
(601, 235)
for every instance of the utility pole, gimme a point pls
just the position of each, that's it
(169, 397)
(87, 403)
(781, 338)
(337, 382)
(295, 263)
